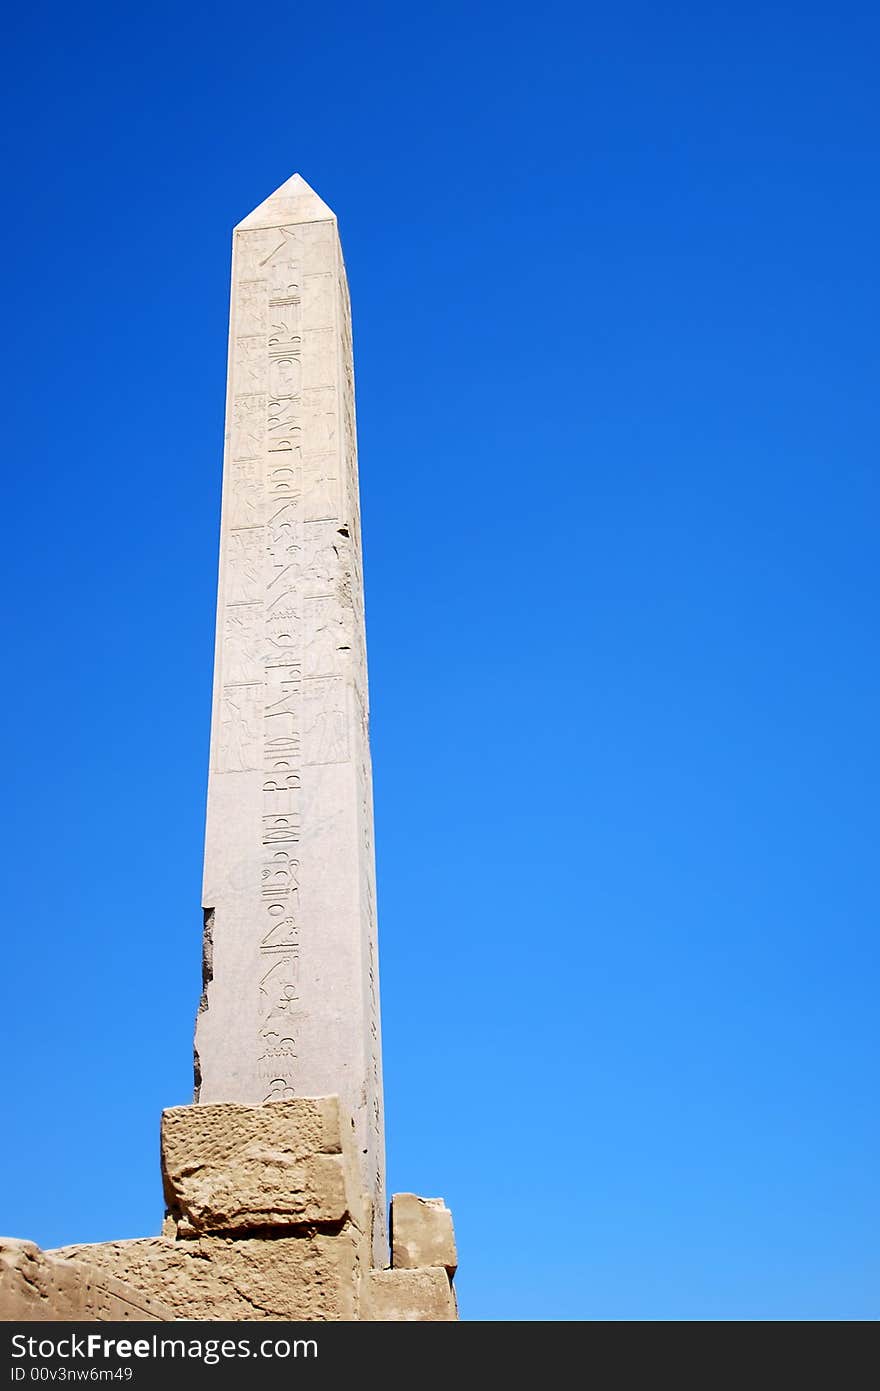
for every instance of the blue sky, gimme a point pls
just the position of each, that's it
(614, 282)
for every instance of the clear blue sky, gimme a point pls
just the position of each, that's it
(614, 274)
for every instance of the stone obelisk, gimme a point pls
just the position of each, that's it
(291, 997)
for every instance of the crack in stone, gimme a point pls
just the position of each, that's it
(207, 977)
(260, 1308)
(275, 1231)
(43, 1293)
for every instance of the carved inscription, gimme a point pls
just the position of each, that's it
(253, 309)
(245, 495)
(325, 731)
(248, 426)
(249, 365)
(243, 643)
(244, 565)
(240, 739)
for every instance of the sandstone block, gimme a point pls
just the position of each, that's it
(421, 1233)
(35, 1286)
(298, 1277)
(232, 1168)
(422, 1296)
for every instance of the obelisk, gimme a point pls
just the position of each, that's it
(291, 996)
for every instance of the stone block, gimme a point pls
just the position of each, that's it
(421, 1233)
(232, 1168)
(410, 1296)
(312, 1277)
(36, 1286)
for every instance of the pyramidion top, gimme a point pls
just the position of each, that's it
(294, 202)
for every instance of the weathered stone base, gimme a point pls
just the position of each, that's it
(424, 1296)
(265, 1220)
(35, 1286)
(298, 1276)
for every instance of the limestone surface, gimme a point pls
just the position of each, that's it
(35, 1286)
(422, 1233)
(290, 1003)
